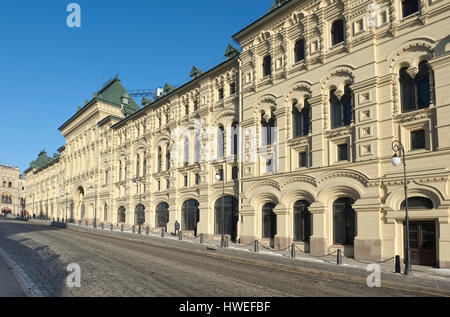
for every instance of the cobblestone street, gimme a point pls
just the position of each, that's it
(119, 267)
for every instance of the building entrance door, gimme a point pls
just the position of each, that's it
(422, 240)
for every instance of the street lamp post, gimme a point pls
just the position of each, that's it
(137, 217)
(220, 176)
(397, 146)
(95, 206)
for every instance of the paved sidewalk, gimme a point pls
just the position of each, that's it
(423, 277)
(9, 287)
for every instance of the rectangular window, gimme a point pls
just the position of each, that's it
(418, 140)
(167, 184)
(232, 89)
(302, 159)
(159, 186)
(221, 94)
(185, 181)
(342, 151)
(197, 179)
(9, 184)
(299, 50)
(235, 173)
(267, 66)
(410, 7)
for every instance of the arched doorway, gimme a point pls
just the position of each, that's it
(422, 234)
(191, 215)
(231, 209)
(121, 215)
(344, 221)
(269, 221)
(139, 215)
(162, 215)
(302, 221)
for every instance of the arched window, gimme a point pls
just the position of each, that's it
(162, 215)
(186, 151)
(299, 50)
(301, 120)
(231, 216)
(235, 136)
(341, 110)
(121, 215)
(144, 168)
(159, 163)
(415, 93)
(138, 165)
(140, 215)
(268, 131)
(220, 142)
(337, 32)
(167, 158)
(418, 203)
(269, 219)
(198, 149)
(344, 221)
(302, 221)
(191, 215)
(267, 66)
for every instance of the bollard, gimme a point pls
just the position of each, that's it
(226, 244)
(121, 228)
(293, 251)
(339, 257)
(180, 235)
(133, 229)
(256, 246)
(397, 264)
(201, 238)
(112, 227)
(102, 226)
(163, 233)
(147, 230)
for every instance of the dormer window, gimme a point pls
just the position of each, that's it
(337, 32)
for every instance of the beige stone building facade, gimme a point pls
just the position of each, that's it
(309, 112)
(11, 189)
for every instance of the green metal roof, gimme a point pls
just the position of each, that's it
(42, 160)
(112, 93)
(147, 103)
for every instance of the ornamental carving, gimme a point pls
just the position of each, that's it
(344, 173)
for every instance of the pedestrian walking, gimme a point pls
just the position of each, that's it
(177, 227)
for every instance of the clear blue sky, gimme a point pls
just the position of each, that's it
(47, 70)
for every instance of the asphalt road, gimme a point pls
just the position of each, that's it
(119, 267)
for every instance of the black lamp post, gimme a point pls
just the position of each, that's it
(397, 146)
(220, 176)
(95, 206)
(138, 220)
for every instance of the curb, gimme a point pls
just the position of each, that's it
(428, 286)
(358, 276)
